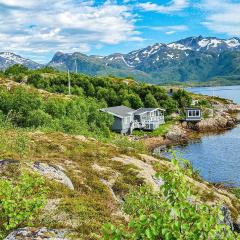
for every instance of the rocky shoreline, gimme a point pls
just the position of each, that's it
(225, 117)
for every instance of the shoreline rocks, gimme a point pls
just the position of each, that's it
(221, 121)
(225, 118)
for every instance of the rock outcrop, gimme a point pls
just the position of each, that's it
(53, 172)
(6, 162)
(221, 121)
(176, 134)
(37, 234)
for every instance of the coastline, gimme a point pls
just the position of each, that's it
(225, 118)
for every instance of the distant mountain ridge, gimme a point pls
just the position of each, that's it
(193, 59)
(8, 59)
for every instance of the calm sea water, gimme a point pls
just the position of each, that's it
(216, 157)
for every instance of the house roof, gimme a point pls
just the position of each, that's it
(119, 111)
(143, 110)
(193, 108)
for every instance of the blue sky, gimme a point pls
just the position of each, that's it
(37, 29)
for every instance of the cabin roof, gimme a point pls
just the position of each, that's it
(193, 108)
(143, 110)
(119, 111)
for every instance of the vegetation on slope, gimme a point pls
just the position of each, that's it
(172, 213)
(76, 115)
(113, 91)
(35, 126)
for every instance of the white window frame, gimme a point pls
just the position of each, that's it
(194, 113)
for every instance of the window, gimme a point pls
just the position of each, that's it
(193, 113)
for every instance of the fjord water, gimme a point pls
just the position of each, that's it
(217, 157)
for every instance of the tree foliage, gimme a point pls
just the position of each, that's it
(183, 99)
(78, 115)
(113, 91)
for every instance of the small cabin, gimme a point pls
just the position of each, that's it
(193, 114)
(127, 119)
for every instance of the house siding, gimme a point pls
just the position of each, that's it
(122, 125)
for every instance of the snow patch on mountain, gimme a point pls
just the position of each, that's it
(203, 43)
(178, 46)
(8, 59)
(232, 43)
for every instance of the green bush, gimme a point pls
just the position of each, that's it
(78, 115)
(38, 118)
(173, 213)
(20, 202)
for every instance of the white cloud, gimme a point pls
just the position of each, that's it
(222, 16)
(171, 27)
(169, 30)
(172, 6)
(35, 26)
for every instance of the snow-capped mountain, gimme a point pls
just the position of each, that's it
(206, 44)
(8, 59)
(175, 50)
(189, 59)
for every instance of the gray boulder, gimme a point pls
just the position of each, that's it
(7, 162)
(227, 217)
(53, 172)
(37, 234)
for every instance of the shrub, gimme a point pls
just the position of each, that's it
(38, 118)
(173, 213)
(20, 201)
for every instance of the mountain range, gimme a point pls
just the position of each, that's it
(193, 59)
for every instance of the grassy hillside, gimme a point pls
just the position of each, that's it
(68, 134)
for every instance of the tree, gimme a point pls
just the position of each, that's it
(16, 69)
(183, 98)
(38, 118)
(150, 101)
(135, 101)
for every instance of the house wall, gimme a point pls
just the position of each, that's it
(122, 125)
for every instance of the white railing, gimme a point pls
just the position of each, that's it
(143, 123)
(157, 118)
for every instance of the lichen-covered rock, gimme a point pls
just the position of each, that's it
(53, 172)
(9, 166)
(7, 162)
(176, 134)
(227, 217)
(37, 234)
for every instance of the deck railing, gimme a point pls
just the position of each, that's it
(150, 120)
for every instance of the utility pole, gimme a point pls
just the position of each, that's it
(76, 68)
(69, 83)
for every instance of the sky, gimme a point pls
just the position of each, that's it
(37, 29)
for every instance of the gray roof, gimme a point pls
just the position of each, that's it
(193, 108)
(119, 111)
(143, 110)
